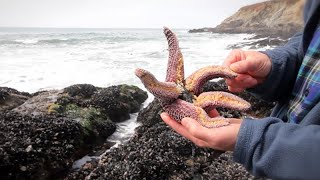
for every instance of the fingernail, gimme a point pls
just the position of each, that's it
(234, 67)
(163, 115)
(185, 121)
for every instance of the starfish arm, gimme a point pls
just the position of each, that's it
(209, 122)
(195, 81)
(180, 109)
(221, 99)
(175, 68)
(165, 91)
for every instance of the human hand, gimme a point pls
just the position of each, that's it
(252, 67)
(222, 138)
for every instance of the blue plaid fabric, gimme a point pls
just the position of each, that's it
(306, 91)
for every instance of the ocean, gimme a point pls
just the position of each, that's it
(34, 59)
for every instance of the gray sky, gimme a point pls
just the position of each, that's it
(117, 13)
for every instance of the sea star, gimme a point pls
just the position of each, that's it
(181, 97)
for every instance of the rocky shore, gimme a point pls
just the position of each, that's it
(42, 134)
(157, 152)
(273, 22)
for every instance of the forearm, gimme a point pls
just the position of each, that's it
(269, 147)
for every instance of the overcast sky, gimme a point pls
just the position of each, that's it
(117, 13)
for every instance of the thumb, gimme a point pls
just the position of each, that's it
(195, 129)
(190, 124)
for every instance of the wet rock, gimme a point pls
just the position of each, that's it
(260, 41)
(11, 98)
(224, 168)
(259, 107)
(93, 107)
(37, 147)
(82, 91)
(159, 153)
(94, 122)
(151, 114)
(41, 137)
(119, 101)
(39, 103)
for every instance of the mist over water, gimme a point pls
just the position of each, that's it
(33, 59)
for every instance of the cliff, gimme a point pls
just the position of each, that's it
(275, 17)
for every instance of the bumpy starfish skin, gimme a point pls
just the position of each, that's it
(180, 109)
(196, 80)
(175, 68)
(171, 92)
(162, 90)
(209, 100)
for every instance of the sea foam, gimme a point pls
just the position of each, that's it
(39, 59)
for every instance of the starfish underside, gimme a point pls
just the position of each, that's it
(182, 97)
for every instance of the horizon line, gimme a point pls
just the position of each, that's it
(44, 27)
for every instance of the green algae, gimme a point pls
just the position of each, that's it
(55, 108)
(88, 117)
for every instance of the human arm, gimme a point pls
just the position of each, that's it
(272, 148)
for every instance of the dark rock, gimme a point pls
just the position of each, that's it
(96, 124)
(39, 104)
(93, 107)
(257, 41)
(79, 94)
(119, 101)
(225, 168)
(151, 114)
(80, 90)
(159, 153)
(42, 136)
(11, 98)
(37, 147)
(259, 107)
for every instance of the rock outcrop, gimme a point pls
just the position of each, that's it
(42, 134)
(11, 98)
(276, 18)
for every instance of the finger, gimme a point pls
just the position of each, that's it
(242, 81)
(247, 83)
(235, 90)
(234, 56)
(241, 78)
(182, 130)
(246, 66)
(213, 113)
